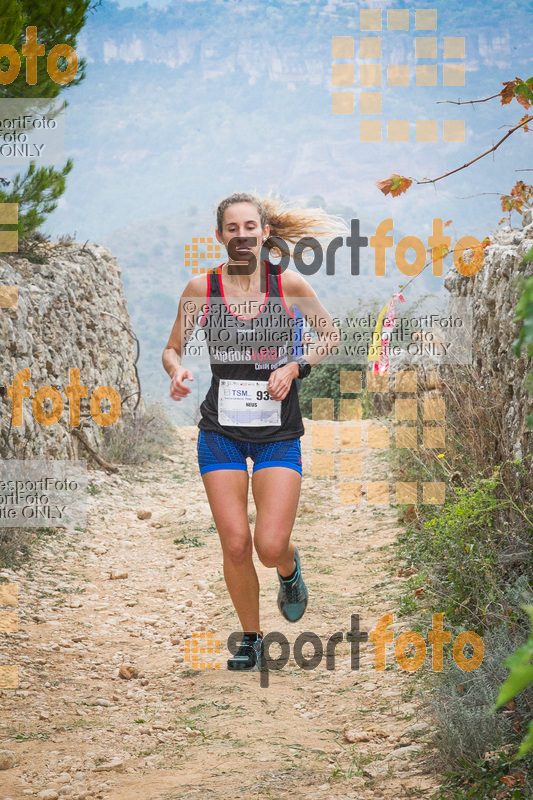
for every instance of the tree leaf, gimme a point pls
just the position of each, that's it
(395, 185)
(384, 185)
(401, 186)
(528, 118)
(523, 94)
(441, 251)
(519, 679)
(507, 93)
(527, 742)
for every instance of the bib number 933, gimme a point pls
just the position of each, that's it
(247, 403)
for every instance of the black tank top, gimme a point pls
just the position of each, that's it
(248, 350)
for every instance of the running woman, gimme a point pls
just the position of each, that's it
(245, 308)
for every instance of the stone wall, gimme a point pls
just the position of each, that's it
(494, 293)
(62, 321)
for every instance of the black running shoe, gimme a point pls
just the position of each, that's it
(292, 596)
(249, 654)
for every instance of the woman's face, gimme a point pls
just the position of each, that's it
(241, 225)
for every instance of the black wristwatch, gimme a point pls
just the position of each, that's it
(304, 368)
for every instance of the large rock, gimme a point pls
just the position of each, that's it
(494, 293)
(62, 322)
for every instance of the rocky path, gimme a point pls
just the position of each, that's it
(125, 595)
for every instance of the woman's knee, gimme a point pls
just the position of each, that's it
(238, 549)
(271, 553)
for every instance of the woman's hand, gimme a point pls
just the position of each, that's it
(178, 390)
(280, 381)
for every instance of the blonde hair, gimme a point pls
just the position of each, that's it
(289, 224)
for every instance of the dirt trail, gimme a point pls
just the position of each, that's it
(78, 730)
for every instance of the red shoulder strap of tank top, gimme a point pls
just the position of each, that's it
(287, 309)
(207, 298)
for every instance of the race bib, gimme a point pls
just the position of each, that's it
(247, 404)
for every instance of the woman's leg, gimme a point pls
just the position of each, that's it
(227, 492)
(276, 492)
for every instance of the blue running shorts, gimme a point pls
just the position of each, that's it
(220, 452)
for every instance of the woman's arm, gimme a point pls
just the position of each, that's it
(191, 301)
(297, 291)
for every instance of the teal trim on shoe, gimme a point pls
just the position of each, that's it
(293, 595)
(249, 654)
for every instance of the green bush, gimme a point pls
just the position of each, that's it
(323, 381)
(469, 552)
(472, 559)
(520, 681)
(477, 746)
